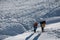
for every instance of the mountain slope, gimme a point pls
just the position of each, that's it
(18, 16)
(51, 33)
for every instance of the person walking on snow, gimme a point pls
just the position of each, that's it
(42, 23)
(35, 26)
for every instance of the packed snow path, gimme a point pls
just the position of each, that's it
(52, 32)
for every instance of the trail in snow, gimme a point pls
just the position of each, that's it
(37, 37)
(52, 32)
(33, 36)
(29, 36)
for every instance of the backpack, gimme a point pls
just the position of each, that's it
(43, 23)
(35, 24)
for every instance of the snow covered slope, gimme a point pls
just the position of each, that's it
(18, 16)
(52, 32)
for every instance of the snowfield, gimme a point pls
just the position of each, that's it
(52, 32)
(17, 17)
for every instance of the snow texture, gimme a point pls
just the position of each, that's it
(18, 16)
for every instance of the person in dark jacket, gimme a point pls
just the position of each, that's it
(35, 26)
(43, 23)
